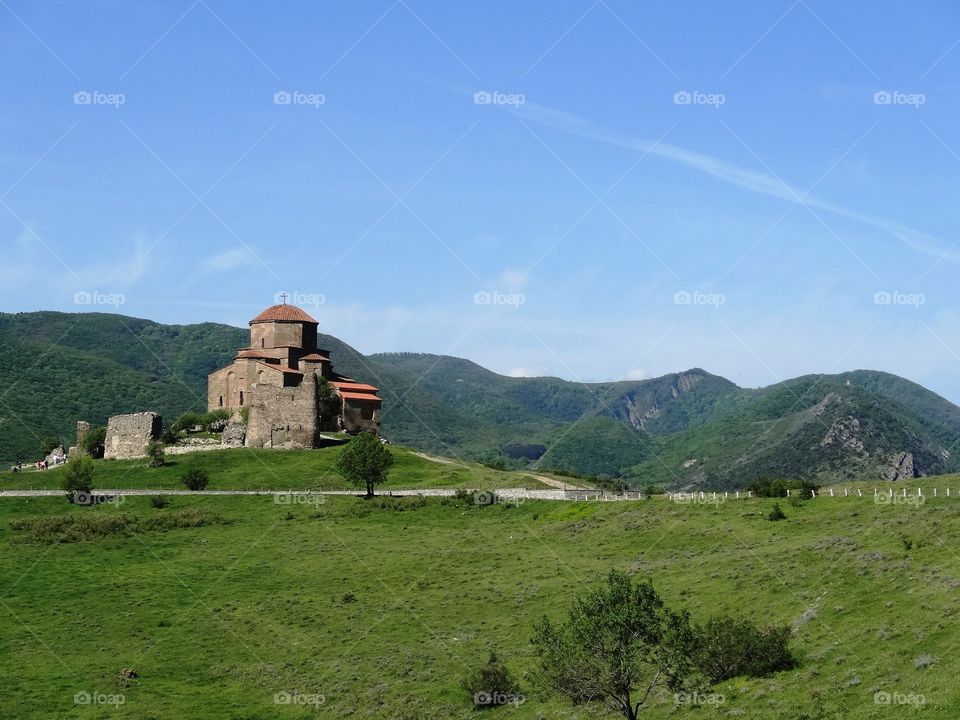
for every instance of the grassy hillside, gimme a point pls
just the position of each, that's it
(689, 428)
(219, 604)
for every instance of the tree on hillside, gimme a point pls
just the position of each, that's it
(48, 444)
(94, 441)
(365, 462)
(77, 479)
(621, 646)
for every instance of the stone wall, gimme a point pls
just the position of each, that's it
(283, 417)
(361, 416)
(129, 435)
(83, 427)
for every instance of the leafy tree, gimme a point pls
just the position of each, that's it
(156, 454)
(365, 462)
(196, 479)
(77, 478)
(186, 421)
(48, 444)
(328, 404)
(94, 442)
(620, 646)
(729, 647)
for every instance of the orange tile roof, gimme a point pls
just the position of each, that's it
(353, 386)
(359, 396)
(283, 313)
(247, 353)
(316, 356)
(281, 368)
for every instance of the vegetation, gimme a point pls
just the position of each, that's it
(776, 513)
(729, 647)
(48, 444)
(94, 442)
(156, 454)
(492, 685)
(249, 606)
(76, 479)
(365, 462)
(620, 646)
(803, 489)
(196, 479)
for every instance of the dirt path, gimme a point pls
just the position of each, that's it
(559, 484)
(434, 458)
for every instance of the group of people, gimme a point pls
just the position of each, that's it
(40, 464)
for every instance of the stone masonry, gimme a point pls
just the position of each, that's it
(129, 435)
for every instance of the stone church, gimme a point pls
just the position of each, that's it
(289, 387)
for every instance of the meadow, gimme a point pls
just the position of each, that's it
(252, 607)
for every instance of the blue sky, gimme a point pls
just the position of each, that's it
(759, 189)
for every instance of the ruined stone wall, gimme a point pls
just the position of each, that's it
(129, 435)
(283, 417)
(360, 416)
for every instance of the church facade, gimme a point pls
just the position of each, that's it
(289, 387)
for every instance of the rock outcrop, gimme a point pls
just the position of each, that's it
(234, 435)
(902, 466)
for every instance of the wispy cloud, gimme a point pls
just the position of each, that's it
(755, 181)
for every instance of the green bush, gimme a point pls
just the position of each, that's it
(728, 647)
(777, 488)
(196, 479)
(48, 444)
(492, 685)
(652, 490)
(159, 502)
(776, 513)
(94, 442)
(155, 452)
(169, 436)
(186, 421)
(77, 479)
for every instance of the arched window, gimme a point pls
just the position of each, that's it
(241, 398)
(221, 401)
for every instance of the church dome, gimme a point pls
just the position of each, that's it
(283, 313)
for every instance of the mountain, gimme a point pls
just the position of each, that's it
(688, 429)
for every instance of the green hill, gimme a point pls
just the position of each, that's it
(684, 429)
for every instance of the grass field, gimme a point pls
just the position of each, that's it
(249, 469)
(351, 610)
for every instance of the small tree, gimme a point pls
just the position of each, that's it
(77, 479)
(620, 646)
(776, 513)
(729, 647)
(48, 444)
(94, 442)
(158, 457)
(365, 462)
(195, 479)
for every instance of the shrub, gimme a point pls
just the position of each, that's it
(763, 487)
(245, 415)
(48, 444)
(651, 490)
(776, 513)
(492, 685)
(94, 441)
(496, 463)
(186, 421)
(156, 454)
(77, 479)
(169, 436)
(196, 479)
(159, 502)
(728, 647)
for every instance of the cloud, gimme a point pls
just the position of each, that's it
(637, 374)
(752, 180)
(229, 260)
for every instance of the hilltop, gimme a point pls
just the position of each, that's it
(687, 429)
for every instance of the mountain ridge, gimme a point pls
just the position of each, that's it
(687, 429)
